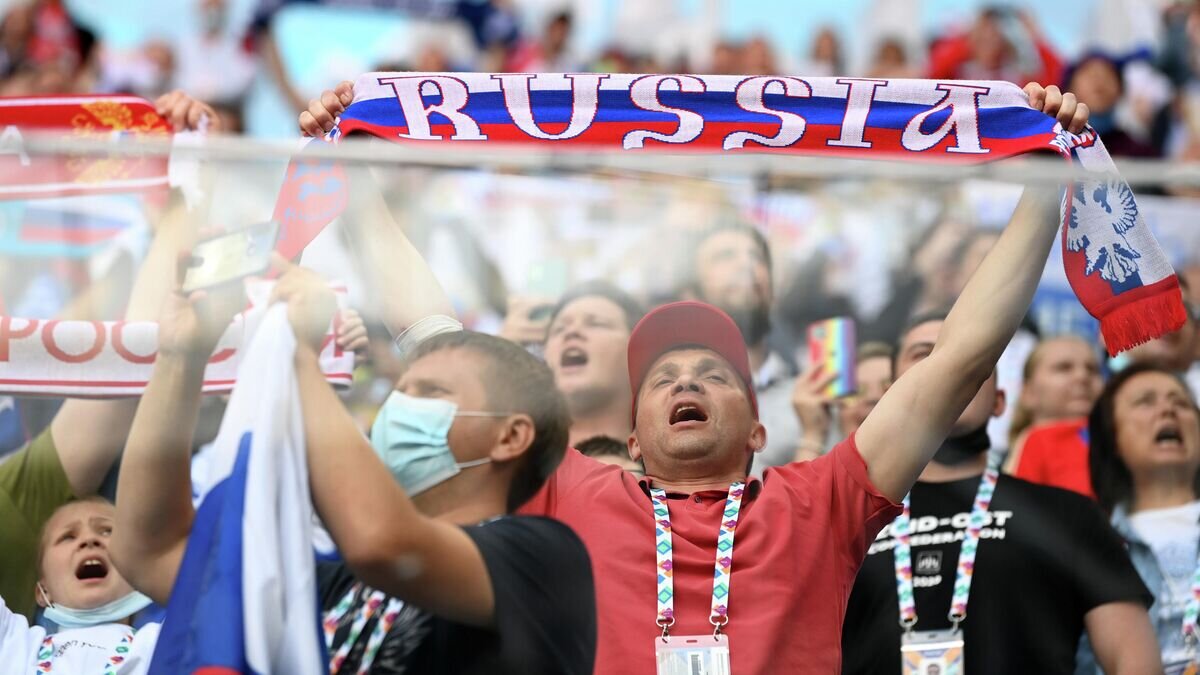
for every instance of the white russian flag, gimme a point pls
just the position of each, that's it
(245, 600)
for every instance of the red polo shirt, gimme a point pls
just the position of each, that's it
(802, 535)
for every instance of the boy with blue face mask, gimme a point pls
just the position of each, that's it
(82, 592)
(437, 576)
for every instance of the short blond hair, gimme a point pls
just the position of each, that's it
(41, 552)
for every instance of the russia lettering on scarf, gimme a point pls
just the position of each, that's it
(1115, 266)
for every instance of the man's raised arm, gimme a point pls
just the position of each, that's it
(905, 429)
(154, 495)
(389, 258)
(385, 540)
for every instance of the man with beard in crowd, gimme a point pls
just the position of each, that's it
(730, 268)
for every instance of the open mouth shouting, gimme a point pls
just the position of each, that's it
(573, 360)
(92, 570)
(687, 414)
(1169, 436)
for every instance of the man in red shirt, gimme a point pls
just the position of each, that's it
(803, 531)
(668, 575)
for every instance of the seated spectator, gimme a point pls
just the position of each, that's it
(891, 60)
(84, 594)
(608, 450)
(825, 59)
(549, 54)
(213, 62)
(1060, 383)
(1004, 44)
(758, 58)
(586, 343)
(1056, 454)
(437, 578)
(729, 266)
(872, 377)
(1098, 81)
(1145, 466)
(726, 58)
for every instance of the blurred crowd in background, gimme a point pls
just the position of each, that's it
(875, 250)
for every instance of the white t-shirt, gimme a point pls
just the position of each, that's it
(1172, 534)
(79, 651)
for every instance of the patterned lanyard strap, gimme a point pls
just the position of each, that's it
(369, 608)
(966, 557)
(1191, 613)
(111, 665)
(719, 616)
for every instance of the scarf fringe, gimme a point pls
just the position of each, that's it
(1131, 324)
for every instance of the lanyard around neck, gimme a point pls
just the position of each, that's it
(374, 600)
(966, 555)
(719, 616)
(1191, 611)
(120, 653)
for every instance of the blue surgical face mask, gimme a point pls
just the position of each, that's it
(410, 436)
(112, 612)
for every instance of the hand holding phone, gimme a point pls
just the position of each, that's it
(832, 347)
(231, 256)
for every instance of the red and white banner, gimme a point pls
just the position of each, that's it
(105, 359)
(24, 175)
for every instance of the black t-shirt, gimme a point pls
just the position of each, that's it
(545, 610)
(1046, 557)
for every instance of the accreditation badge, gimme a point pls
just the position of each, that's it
(1184, 667)
(692, 655)
(934, 652)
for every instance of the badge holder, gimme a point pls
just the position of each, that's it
(692, 654)
(931, 652)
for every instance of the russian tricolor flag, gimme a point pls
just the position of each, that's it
(69, 227)
(245, 599)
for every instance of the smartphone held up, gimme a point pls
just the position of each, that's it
(832, 346)
(230, 256)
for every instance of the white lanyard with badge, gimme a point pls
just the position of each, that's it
(940, 652)
(693, 654)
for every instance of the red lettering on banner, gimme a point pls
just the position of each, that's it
(416, 116)
(54, 350)
(119, 347)
(644, 94)
(585, 97)
(7, 333)
(750, 98)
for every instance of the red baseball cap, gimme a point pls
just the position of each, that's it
(681, 324)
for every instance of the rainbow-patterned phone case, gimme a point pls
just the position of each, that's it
(832, 345)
